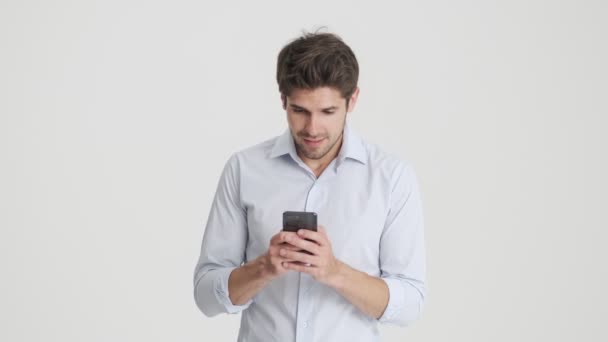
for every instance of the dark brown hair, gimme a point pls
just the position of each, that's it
(317, 60)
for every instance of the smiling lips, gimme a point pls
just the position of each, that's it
(313, 143)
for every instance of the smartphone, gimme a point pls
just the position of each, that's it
(295, 220)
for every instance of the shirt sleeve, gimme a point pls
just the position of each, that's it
(223, 246)
(402, 250)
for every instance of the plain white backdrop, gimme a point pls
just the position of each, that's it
(116, 118)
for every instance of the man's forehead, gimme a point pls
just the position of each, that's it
(318, 98)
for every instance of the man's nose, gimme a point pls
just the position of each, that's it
(312, 126)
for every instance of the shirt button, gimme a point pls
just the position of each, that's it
(305, 325)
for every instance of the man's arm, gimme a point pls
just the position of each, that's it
(369, 294)
(223, 246)
(402, 250)
(221, 283)
(397, 296)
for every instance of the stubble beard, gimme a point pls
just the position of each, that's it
(317, 154)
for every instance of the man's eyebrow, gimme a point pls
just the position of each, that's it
(300, 107)
(331, 108)
(296, 106)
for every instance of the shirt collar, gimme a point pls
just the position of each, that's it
(352, 146)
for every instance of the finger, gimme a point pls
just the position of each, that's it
(322, 230)
(288, 246)
(299, 256)
(317, 237)
(299, 268)
(292, 247)
(309, 246)
(281, 259)
(276, 250)
(275, 238)
(280, 237)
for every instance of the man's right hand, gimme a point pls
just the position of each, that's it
(246, 281)
(272, 262)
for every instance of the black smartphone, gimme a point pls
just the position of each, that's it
(295, 220)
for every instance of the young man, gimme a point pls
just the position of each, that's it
(366, 262)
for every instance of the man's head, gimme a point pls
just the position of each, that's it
(317, 76)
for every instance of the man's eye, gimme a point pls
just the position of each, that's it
(329, 112)
(297, 110)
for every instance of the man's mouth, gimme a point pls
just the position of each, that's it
(313, 143)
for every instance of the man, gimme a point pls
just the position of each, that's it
(367, 259)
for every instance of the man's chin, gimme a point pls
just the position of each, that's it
(313, 157)
(314, 154)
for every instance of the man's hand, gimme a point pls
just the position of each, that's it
(272, 262)
(369, 294)
(323, 266)
(246, 281)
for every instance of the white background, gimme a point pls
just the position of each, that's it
(116, 118)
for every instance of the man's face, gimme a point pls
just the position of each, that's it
(316, 119)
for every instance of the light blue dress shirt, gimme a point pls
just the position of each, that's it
(370, 204)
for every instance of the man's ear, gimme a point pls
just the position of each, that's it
(352, 101)
(284, 101)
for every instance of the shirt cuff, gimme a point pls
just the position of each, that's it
(396, 297)
(222, 294)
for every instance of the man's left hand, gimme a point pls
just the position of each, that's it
(321, 263)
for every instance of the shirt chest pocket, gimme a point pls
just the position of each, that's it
(355, 234)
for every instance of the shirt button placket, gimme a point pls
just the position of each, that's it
(304, 309)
